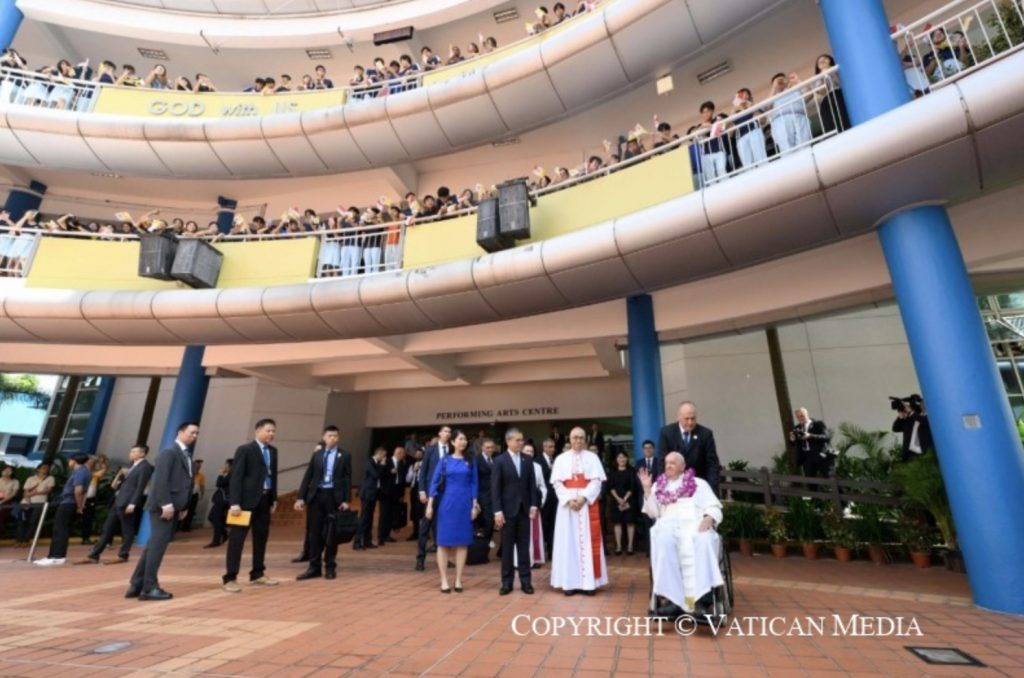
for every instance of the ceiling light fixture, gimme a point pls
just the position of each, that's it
(507, 14)
(664, 84)
(714, 72)
(319, 54)
(150, 53)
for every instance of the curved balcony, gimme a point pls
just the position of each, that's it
(250, 24)
(959, 141)
(534, 82)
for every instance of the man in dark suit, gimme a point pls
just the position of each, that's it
(252, 487)
(484, 468)
(128, 486)
(516, 501)
(392, 487)
(912, 422)
(369, 493)
(416, 509)
(550, 508)
(654, 466)
(810, 437)
(326, 487)
(695, 442)
(431, 457)
(169, 492)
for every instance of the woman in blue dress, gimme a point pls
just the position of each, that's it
(456, 508)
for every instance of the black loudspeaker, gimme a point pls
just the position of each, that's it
(514, 209)
(197, 264)
(488, 236)
(156, 255)
(393, 35)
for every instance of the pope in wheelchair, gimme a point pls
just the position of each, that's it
(684, 544)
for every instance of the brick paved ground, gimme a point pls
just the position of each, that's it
(382, 618)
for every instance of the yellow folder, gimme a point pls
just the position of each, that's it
(242, 519)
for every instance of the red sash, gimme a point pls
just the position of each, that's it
(579, 482)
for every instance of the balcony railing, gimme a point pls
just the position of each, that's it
(29, 88)
(958, 38)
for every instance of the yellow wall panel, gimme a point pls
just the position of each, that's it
(73, 263)
(643, 185)
(174, 105)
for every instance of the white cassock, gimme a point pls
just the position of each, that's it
(577, 556)
(684, 562)
(536, 531)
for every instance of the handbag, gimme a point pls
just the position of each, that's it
(346, 524)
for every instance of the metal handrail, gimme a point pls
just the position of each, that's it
(22, 87)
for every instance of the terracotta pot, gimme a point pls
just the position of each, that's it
(921, 559)
(746, 547)
(810, 550)
(779, 550)
(843, 554)
(877, 554)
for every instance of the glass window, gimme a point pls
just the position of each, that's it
(1008, 372)
(1011, 301)
(84, 401)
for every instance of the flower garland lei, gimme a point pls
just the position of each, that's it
(685, 489)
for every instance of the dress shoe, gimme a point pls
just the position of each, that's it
(330, 574)
(444, 590)
(301, 559)
(570, 592)
(419, 565)
(232, 587)
(670, 610)
(590, 592)
(504, 590)
(458, 589)
(308, 574)
(155, 594)
(357, 547)
(132, 592)
(527, 589)
(263, 581)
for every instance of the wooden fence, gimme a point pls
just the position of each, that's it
(771, 487)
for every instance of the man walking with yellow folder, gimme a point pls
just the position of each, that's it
(252, 497)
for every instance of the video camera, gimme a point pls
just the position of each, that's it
(913, 401)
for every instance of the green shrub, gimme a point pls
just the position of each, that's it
(838, 530)
(803, 520)
(922, 484)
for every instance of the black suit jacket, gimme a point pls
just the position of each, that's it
(392, 480)
(245, 487)
(701, 454)
(483, 481)
(657, 465)
(819, 438)
(430, 458)
(172, 481)
(545, 469)
(342, 477)
(512, 493)
(369, 490)
(134, 482)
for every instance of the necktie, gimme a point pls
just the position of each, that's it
(686, 438)
(515, 460)
(266, 460)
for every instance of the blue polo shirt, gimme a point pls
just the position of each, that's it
(80, 476)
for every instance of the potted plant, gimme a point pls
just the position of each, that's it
(777, 536)
(923, 487)
(870, 531)
(749, 526)
(804, 525)
(840, 533)
(918, 538)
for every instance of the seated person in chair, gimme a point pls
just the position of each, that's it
(684, 544)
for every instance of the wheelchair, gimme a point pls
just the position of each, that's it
(721, 596)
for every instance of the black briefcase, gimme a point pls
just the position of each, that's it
(400, 516)
(346, 523)
(479, 551)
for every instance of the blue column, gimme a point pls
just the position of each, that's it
(97, 416)
(186, 405)
(978, 448)
(21, 200)
(10, 22)
(645, 391)
(226, 213)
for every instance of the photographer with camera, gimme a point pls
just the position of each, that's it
(810, 438)
(912, 422)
